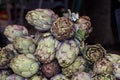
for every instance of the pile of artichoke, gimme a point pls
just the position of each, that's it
(56, 52)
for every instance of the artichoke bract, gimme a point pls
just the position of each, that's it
(14, 77)
(59, 77)
(4, 74)
(116, 70)
(78, 65)
(38, 77)
(12, 31)
(24, 45)
(103, 66)
(112, 57)
(66, 52)
(24, 65)
(5, 56)
(41, 19)
(50, 69)
(62, 28)
(93, 53)
(81, 76)
(103, 77)
(45, 51)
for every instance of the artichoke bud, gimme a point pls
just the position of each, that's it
(92, 53)
(24, 45)
(103, 66)
(77, 65)
(62, 28)
(41, 19)
(13, 31)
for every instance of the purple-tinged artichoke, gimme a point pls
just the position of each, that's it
(93, 53)
(24, 45)
(78, 65)
(14, 77)
(45, 51)
(59, 77)
(62, 28)
(83, 27)
(13, 31)
(50, 69)
(41, 19)
(103, 66)
(24, 65)
(5, 56)
(67, 52)
(103, 77)
(112, 57)
(4, 74)
(116, 70)
(38, 77)
(81, 76)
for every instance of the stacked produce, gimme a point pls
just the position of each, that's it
(56, 52)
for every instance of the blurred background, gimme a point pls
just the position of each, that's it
(104, 15)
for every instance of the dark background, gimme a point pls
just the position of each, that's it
(101, 12)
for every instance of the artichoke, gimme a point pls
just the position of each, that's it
(66, 52)
(45, 51)
(14, 77)
(24, 45)
(5, 56)
(112, 57)
(103, 77)
(24, 65)
(50, 69)
(38, 77)
(59, 77)
(13, 31)
(81, 76)
(62, 28)
(41, 19)
(93, 53)
(83, 27)
(79, 64)
(4, 74)
(116, 70)
(103, 66)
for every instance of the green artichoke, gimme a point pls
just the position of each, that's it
(13, 31)
(41, 19)
(78, 65)
(103, 66)
(24, 45)
(4, 74)
(116, 70)
(66, 52)
(62, 28)
(24, 65)
(81, 76)
(38, 77)
(59, 77)
(93, 53)
(45, 51)
(14, 77)
(103, 77)
(5, 56)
